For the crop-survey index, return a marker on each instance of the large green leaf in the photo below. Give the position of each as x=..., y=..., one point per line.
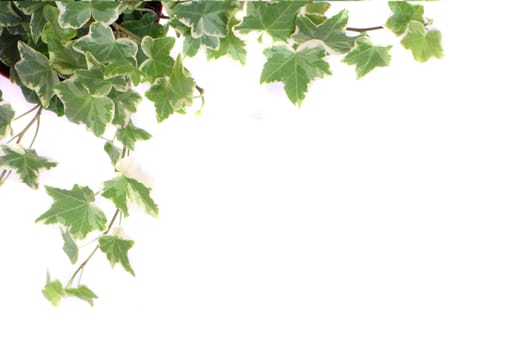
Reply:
x=75, y=210
x=53, y=29
x=36, y=73
x=423, y=43
x=230, y=45
x=172, y=94
x=25, y=162
x=402, y=13
x=366, y=56
x=206, y=17
x=101, y=43
x=123, y=190
x=116, y=250
x=125, y=104
x=275, y=18
x=83, y=293
x=75, y=14
x=7, y=114
x=145, y=26
x=35, y=9
x=63, y=58
x=159, y=62
x=96, y=112
x=295, y=69
x=331, y=32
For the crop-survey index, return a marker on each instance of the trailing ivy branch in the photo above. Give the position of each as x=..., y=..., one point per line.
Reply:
x=82, y=60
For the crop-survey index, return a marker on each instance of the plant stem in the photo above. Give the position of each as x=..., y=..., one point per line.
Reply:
x=362, y=30
x=130, y=34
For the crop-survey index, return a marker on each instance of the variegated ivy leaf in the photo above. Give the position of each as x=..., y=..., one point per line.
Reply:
x=230, y=45
x=159, y=62
x=83, y=293
x=125, y=104
x=26, y=163
x=52, y=29
x=116, y=250
x=123, y=190
x=36, y=73
x=423, y=43
x=75, y=14
x=101, y=43
x=95, y=81
x=130, y=134
x=35, y=9
x=63, y=58
x=402, y=13
x=367, y=56
x=6, y=116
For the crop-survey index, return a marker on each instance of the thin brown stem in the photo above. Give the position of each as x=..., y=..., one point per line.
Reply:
x=128, y=33
x=363, y=30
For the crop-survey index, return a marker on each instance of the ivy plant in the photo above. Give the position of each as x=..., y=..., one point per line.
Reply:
x=84, y=59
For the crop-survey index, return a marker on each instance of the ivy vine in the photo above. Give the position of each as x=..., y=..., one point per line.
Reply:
x=83, y=60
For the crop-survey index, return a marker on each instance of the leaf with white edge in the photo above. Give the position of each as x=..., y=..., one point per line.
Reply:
x=125, y=104
x=316, y=11
x=113, y=152
x=25, y=162
x=81, y=107
x=70, y=247
x=402, y=13
x=63, y=58
x=130, y=134
x=275, y=18
x=145, y=26
x=296, y=69
x=75, y=14
x=159, y=62
x=35, y=10
x=36, y=73
x=116, y=250
x=83, y=293
x=230, y=45
x=172, y=94
x=121, y=190
x=95, y=81
x=423, y=43
x=8, y=15
x=206, y=17
x=331, y=32
x=101, y=43
x=125, y=69
x=7, y=114
x=75, y=210
x=367, y=56
x=53, y=291
x=53, y=29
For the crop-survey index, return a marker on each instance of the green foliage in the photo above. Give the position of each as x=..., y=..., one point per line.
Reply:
x=86, y=60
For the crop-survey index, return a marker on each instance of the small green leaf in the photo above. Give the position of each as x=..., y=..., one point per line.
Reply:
x=52, y=28
x=159, y=63
x=230, y=45
x=70, y=247
x=75, y=14
x=130, y=134
x=6, y=116
x=206, y=17
x=81, y=107
x=402, y=13
x=296, y=69
x=116, y=250
x=35, y=10
x=367, y=56
x=53, y=291
x=423, y=44
x=330, y=32
x=25, y=162
x=125, y=104
x=101, y=43
x=121, y=190
x=113, y=152
x=275, y=18
x=63, y=58
x=146, y=26
x=75, y=210
x=172, y=94
x=36, y=73
x=83, y=293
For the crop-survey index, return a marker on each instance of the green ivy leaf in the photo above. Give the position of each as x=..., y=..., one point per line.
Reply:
x=75, y=14
x=7, y=114
x=316, y=11
x=81, y=107
x=172, y=94
x=159, y=63
x=75, y=210
x=70, y=247
x=121, y=190
x=230, y=45
x=423, y=44
x=101, y=43
x=63, y=58
x=113, y=152
x=35, y=9
x=274, y=18
x=25, y=162
x=402, y=13
x=116, y=250
x=295, y=69
x=53, y=291
x=8, y=15
x=125, y=104
x=146, y=26
x=53, y=29
x=96, y=82
x=367, y=56
x=130, y=134
x=83, y=293
x=36, y=73
x=331, y=32
x=208, y=18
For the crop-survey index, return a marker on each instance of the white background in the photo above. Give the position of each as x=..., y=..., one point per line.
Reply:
x=386, y=213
